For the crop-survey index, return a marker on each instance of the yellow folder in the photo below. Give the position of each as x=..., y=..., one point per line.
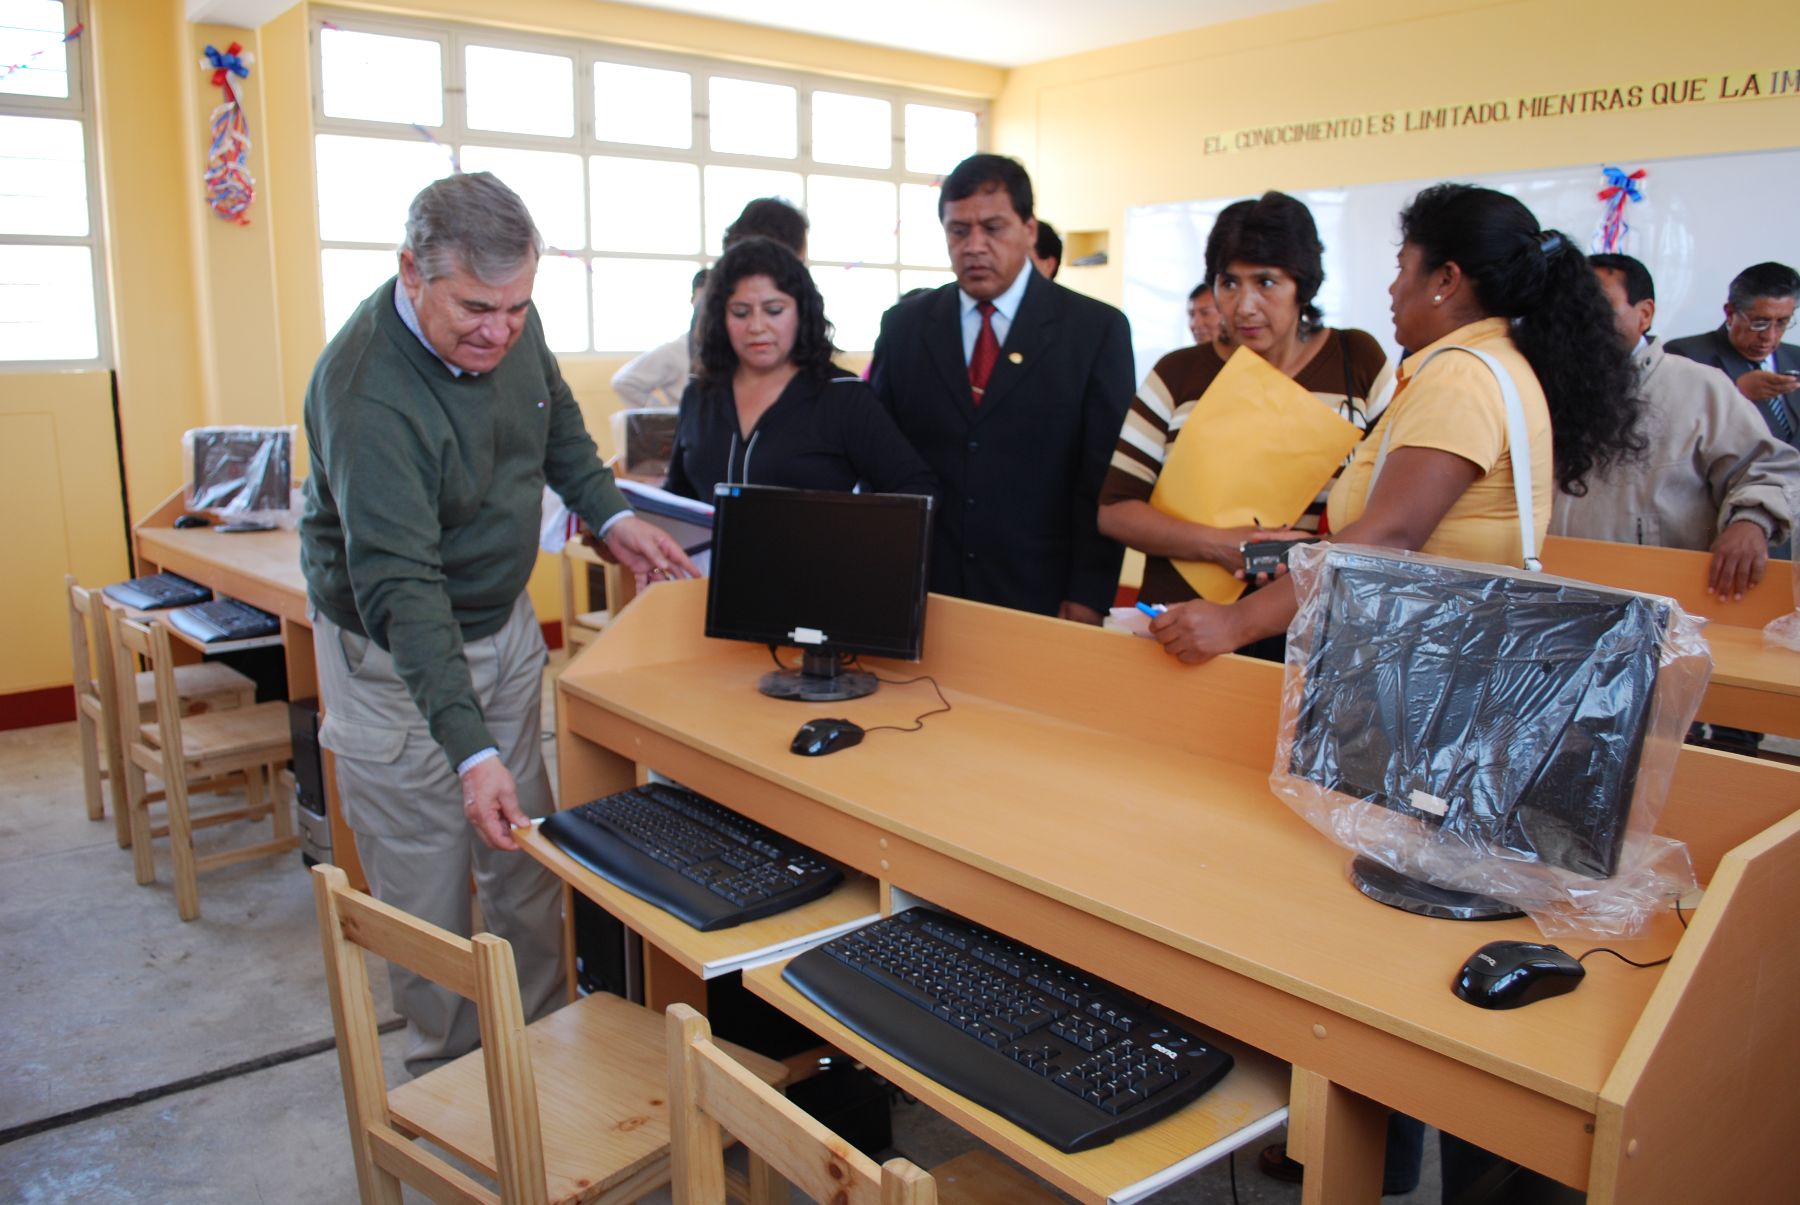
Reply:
x=1256, y=447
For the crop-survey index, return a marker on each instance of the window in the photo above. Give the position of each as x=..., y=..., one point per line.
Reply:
x=50, y=268
x=632, y=163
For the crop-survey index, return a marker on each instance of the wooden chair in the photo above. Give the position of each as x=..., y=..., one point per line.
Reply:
x=708, y=1090
x=596, y=1066
x=94, y=656
x=194, y=751
x=580, y=628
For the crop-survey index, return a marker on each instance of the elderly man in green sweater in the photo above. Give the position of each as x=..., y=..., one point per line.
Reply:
x=434, y=418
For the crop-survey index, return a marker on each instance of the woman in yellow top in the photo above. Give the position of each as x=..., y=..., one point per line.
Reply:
x=1475, y=270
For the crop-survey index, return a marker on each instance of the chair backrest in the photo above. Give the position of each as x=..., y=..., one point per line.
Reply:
x=150, y=640
x=480, y=969
x=82, y=645
x=709, y=1089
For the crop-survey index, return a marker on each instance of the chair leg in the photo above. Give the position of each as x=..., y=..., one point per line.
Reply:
x=284, y=808
x=90, y=762
x=118, y=786
x=766, y=1185
x=137, y=797
x=181, y=848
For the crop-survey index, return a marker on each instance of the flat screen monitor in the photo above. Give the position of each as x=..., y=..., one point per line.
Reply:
x=241, y=469
x=833, y=574
x=1505, y=711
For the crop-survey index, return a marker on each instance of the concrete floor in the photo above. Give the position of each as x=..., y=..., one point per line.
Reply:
x=146, y=1060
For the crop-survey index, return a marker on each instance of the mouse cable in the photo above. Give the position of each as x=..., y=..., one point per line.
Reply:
x=918, y=720
x=1679, y=915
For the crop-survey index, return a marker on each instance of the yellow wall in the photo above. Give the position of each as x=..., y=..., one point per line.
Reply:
x=1104, y=131
x=59, y=491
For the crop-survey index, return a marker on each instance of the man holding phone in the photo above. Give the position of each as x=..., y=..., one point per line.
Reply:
x=1759, y=310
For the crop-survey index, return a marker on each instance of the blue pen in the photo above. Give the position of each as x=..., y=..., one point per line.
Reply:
x=1150, y=610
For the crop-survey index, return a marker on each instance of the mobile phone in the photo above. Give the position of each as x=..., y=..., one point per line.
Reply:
x=1263, y=556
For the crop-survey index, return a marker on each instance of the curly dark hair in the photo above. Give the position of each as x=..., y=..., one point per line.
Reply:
x=1561, y=321
x=760, y=256
x=1277, y=231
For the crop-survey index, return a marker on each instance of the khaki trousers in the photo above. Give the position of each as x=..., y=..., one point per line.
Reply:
x=403, y=800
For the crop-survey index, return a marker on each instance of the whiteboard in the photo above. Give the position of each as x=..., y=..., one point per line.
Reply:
x=1701, y=222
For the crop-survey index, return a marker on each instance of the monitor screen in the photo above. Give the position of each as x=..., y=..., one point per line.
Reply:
x=241, y=469
x=820, y=570
x=1505, y=711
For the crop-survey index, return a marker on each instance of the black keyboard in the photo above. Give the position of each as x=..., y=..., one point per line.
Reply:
x=157, y=591
x=690, y=856
x=1068, y=1057
x=225, y=619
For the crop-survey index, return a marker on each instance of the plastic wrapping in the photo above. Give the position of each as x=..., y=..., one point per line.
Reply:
x=1784, y=630
x=646, y=443
x=244, y=472
x=1491, y=731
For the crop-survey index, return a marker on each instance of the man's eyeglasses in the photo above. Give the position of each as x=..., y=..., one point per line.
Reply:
x=1762, y=326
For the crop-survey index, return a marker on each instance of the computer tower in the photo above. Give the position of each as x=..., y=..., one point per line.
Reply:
x=310, y=814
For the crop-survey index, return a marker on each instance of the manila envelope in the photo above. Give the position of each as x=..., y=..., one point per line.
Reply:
x=1255, y=447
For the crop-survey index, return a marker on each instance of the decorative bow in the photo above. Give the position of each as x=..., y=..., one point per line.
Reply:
x=234, y=62
x=1621, y=189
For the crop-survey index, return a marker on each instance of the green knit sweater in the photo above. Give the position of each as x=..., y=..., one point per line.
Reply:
x=423, y=508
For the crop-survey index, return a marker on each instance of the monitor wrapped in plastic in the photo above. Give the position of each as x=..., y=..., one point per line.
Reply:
x=1487, y=740
x=240, y=472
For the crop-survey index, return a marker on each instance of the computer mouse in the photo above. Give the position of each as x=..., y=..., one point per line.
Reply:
x=193, y=521
x=819, y=737
x=1511, y=974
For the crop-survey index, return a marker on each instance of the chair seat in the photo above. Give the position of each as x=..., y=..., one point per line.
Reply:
x=594, y=619
x=234, y=732
x=201, y=681
x=602, y=1084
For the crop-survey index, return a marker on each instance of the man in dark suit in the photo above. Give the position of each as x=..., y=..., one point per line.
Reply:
x=1759, y=309
x=1013, y=389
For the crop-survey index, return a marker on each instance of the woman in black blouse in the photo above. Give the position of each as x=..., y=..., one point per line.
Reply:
x=767, y=406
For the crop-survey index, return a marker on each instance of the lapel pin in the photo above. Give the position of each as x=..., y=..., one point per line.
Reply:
x=1016, y=358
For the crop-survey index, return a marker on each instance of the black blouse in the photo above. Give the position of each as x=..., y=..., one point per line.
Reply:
x=821, y=434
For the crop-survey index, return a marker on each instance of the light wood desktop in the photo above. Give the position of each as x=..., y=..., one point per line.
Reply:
x=1092, y=797
x=261, y=568
x=1755, y=684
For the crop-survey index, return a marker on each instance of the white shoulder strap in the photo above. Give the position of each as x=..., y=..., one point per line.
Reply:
x=1518, y=441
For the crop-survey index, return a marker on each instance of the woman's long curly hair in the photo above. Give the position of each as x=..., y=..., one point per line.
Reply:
x=1560, y=319
x=763, y=257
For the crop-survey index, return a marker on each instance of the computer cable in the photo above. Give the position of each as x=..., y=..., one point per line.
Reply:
x=851, y=661
x=1679, y=915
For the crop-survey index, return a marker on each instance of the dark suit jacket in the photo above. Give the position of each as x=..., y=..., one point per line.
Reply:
x=1715, y=348
x=1018, y=476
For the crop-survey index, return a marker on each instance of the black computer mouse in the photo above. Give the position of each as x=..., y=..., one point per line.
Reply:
x=819, y=737
x=1511, y=974
x=193, y=521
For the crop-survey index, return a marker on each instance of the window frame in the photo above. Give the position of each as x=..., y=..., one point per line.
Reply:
x=78, y=105
x=455, y=133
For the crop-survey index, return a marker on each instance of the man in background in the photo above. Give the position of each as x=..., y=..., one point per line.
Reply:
x=1714, y=478
x=1203, y=315
x=1759, y=310
x=434, y=418
x=1012, y=388
x=1047, y=254
x=771, y=218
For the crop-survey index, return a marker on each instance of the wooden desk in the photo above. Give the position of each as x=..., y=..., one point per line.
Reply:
x=1755, y=685
x=1091, y=796
x=263, y=569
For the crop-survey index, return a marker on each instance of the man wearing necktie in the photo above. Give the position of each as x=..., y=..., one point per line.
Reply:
x=1012, y=388
x=1759, y=310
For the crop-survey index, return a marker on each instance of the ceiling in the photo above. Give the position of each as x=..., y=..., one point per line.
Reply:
x=1000, y=33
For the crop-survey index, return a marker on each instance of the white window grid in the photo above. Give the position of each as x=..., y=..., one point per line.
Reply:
x=77, y=105
x=454, y=133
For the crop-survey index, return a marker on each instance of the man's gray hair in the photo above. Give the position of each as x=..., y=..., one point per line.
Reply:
x=1763, y=280
x=472, y=221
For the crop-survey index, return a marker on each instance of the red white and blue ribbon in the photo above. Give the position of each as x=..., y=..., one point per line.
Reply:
x=229, y=187
x=1621, y=189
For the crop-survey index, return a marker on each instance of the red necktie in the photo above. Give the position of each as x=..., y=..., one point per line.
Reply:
x=986, y=353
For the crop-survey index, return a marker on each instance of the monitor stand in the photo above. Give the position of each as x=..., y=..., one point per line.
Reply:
x=818, y=680
x=1388, y=886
